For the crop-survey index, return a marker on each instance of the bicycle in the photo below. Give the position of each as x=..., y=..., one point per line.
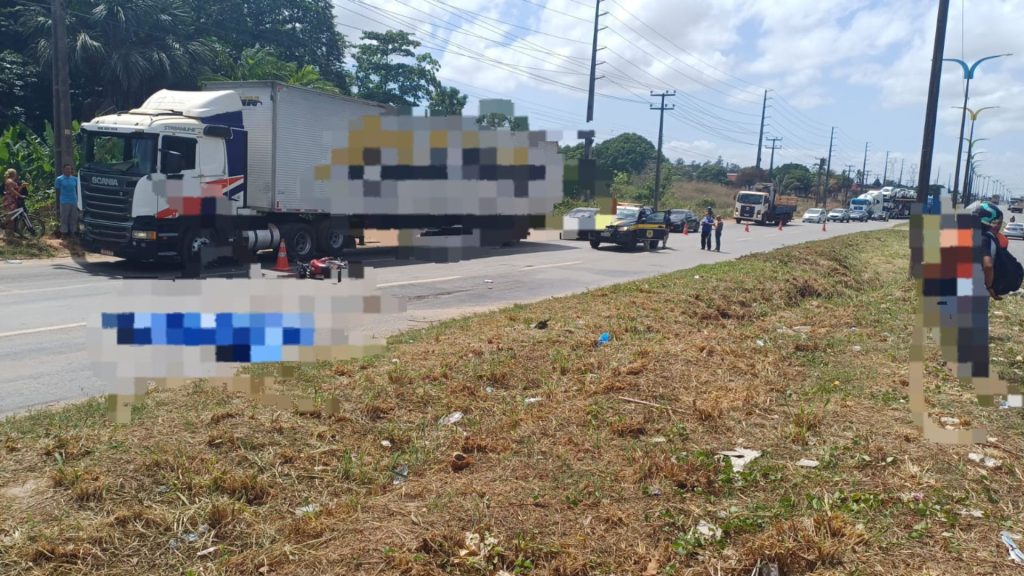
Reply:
x=23, y=224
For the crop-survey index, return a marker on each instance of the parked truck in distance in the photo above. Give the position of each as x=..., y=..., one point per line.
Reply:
x=1016, y=205
x=763, y=206
x=248, y=164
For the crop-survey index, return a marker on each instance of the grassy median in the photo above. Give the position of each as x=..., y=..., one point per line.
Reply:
x=576, y=459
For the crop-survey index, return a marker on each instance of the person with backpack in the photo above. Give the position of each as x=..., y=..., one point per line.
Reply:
x=1003, y=273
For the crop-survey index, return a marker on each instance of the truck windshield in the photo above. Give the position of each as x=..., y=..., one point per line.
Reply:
x=750, y=198
x=120, y=153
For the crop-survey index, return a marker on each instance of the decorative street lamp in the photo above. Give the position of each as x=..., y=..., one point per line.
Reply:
x=968, y=76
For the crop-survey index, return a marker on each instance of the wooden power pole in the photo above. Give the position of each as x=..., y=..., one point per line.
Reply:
x=62, y=151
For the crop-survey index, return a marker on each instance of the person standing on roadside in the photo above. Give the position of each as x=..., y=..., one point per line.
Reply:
x=718, y=233
x=706, y=225
x=67, y=186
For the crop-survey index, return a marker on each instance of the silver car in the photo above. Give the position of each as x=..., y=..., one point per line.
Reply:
x=1014, y=230
x=815, y=215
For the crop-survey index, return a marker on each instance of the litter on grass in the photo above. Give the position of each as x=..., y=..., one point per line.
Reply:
x=401, y=474
x=740, y=457
x=450, y=419
x=1015, y=554
x=532, y=401
x=707, y=532
x=807, y=463
x=986, y=461
x=307, y=509
x=604, y=339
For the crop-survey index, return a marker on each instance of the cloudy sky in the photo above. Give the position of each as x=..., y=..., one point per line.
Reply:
x=859, y=65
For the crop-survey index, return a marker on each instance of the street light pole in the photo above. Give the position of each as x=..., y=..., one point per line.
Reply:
x=970, y=141
x=968, y=75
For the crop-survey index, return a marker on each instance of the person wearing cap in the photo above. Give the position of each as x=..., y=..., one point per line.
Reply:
x=991, y=218
x=706, y=225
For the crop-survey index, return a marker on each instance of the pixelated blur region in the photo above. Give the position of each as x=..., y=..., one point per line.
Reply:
x=157, y=333
x=953, y=314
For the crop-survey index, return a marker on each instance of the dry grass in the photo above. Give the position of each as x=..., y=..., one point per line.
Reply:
x=758, y=354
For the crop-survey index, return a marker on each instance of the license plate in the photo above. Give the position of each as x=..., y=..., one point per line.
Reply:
x=107, y=252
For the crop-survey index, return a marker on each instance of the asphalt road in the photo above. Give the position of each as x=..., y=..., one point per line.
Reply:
x=46, y=303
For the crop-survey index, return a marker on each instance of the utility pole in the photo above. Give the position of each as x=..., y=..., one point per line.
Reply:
x=900, y=183
x=760, y=136
x=821, y=167
x=661, y=128
x=828, y=166
x=593, y=77
x=771, y=163
x=885, y=170
x=62, y=152
x=849, y=183
x=864, y=168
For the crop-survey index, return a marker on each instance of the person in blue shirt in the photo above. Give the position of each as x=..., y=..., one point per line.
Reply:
x=67, y=186
x=706, y=225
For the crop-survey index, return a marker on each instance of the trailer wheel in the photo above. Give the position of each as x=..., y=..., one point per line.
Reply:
x=300, y=241
x=331, y=238
x=192, y=242
x=595, y=244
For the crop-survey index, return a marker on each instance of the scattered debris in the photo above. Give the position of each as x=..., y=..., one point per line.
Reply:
x=807, y=463
x=401, y=474
x=489, y=390
x=163, y=489
x=708, y=532
x=1015, y=554
x=986, y=461
x=740, y=457
x=653, y=491
x=207, y=552
x=760, y=343
x=488, y=281
x=532, y=400
x=802, y=329
x=460, y=462
x=949, y=423
x=696, y=277
x=307, y=509
x=604, y=339
x=542, y=325
x=857, y=348
x=659, y=439
x=972, y=512
x=450, y=419
x=395, y=361
x=385, y=443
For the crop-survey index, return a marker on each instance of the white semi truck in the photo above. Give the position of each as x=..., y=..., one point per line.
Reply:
x=871, y=202
x=248, y=164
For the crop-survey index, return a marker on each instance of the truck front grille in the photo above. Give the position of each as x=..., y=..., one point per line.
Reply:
x=107, y=211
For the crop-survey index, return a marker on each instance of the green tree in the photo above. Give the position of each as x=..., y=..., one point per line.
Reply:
x=792, y=178
x=301, y=31
x=627, y=152
x=496, y=120
x=127, y=48
x=388, y=70
x=714, y=172
x=447, y=101
x=749, y=176
x=574, y=152
x=261, y=63
x=23, y=98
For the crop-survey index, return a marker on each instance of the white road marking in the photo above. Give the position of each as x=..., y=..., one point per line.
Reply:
x=46, y=329
x=417, y=281
x=50, y=289
x=551, y=265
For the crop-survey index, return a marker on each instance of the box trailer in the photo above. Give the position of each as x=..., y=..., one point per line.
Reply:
x=250, y=164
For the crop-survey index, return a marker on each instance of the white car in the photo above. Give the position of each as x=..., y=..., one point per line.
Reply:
x=578, y=222
x=816, y=215
x=1014, y=230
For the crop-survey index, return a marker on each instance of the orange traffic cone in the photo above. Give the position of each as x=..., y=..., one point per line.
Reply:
x=282, y=259
x=780, y=225
x=823, y=229
x=747, y=227
x=686, y=229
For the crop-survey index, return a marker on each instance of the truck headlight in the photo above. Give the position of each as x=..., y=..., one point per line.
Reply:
x=144, y=234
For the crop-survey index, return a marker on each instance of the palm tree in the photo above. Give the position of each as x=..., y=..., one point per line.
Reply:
x=262, y=63
x=129, y=48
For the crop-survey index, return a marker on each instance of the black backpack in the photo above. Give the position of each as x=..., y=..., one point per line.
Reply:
x=1007, y=273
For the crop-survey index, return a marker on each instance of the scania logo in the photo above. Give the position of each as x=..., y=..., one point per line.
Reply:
x=104, y=181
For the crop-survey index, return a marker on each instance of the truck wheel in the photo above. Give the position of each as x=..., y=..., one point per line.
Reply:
x=331, y=238
x=738, y=221
x=595, y=244
x=300, y=241
x=192, y=242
